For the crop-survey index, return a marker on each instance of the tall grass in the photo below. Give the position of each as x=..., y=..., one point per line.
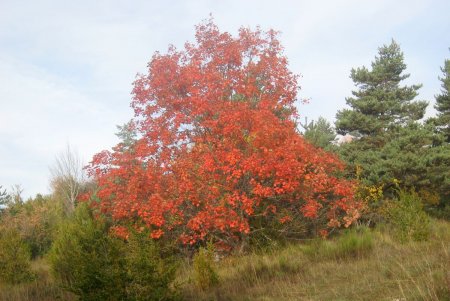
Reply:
x=357, y=265
x=354, y=243
x=42, y=288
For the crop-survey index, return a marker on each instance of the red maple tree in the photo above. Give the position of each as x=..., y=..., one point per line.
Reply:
x=217, y=147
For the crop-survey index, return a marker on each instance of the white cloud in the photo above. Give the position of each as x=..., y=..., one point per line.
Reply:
x=39, y=115
x=66, y=67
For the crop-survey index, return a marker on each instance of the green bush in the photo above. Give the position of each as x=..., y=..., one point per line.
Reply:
x=14, y=258
x=149, y=276
x=97, y=266
x=441, y=211
x=86, y=260
x=407, y=217
x=205, y=275
x=36, y=221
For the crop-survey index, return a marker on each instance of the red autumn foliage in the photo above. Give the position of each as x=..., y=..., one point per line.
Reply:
x=217, y=146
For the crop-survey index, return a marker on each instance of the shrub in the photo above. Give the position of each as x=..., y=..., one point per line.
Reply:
x=149, y=275
x=407, y=218
x=36, y=222
x=441, y=211
x=39, y=222
x=14, y=258
x=205, y=275
x=86, y=260
x=97, y=266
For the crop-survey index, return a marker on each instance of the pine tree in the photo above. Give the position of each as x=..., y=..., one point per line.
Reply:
x=438, y=159
x=4, y=198
x=443, y=103
x=319, y=133
x=393, y=144
x=380, y=104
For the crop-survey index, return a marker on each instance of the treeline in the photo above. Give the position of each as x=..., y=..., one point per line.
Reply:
x=214, y=164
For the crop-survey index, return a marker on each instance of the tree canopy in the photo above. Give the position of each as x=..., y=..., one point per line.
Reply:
x=216, y=147
x=395, y=148
x=443, y=102
x=319, y=133
x=380, y=103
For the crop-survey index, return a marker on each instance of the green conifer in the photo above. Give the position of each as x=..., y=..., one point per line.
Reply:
x=380, y=104
x=443, y=103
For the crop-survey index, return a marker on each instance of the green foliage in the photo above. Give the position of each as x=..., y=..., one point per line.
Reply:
x=35, y=220
x=149, y=276
x=205, y=275
x=438, y=175
x=13, y=200
x=384, y=113
x=86, y=260
x=394, y=146
x=127, y=134
x=441, y=211
x=353, y=243
x=381, y=103
x=406, y=156
x=39, y=224
x=443, y=103
x=14, y=258
x=4, y=198
x=97, y=266
x=319, y=133
x=407, y=160
x=408, y=220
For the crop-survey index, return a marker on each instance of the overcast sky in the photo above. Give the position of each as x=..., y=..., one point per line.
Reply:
x=66, y=67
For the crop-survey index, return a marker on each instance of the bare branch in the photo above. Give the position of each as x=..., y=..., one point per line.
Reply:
x=67, y=176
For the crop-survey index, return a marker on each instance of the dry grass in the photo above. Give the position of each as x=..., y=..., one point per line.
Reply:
x=43, y=288
x=385, y=270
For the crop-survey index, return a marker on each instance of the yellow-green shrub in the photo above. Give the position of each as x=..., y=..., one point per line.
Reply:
x=149, y=275
x=407, y=217
x=14, y=258
x=205, y=275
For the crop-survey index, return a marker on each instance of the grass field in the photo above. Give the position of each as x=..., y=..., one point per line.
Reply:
x=43, y=288
x=370, y=266
x=364, y=265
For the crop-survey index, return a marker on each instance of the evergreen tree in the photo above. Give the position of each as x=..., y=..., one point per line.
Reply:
x=404, y=158
x=127, y=134
x=4, y=198
x=393, y=144
x=319, y=133
x=95, y=265
x=380, y=104
x=443, y=103
x=438, y=159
